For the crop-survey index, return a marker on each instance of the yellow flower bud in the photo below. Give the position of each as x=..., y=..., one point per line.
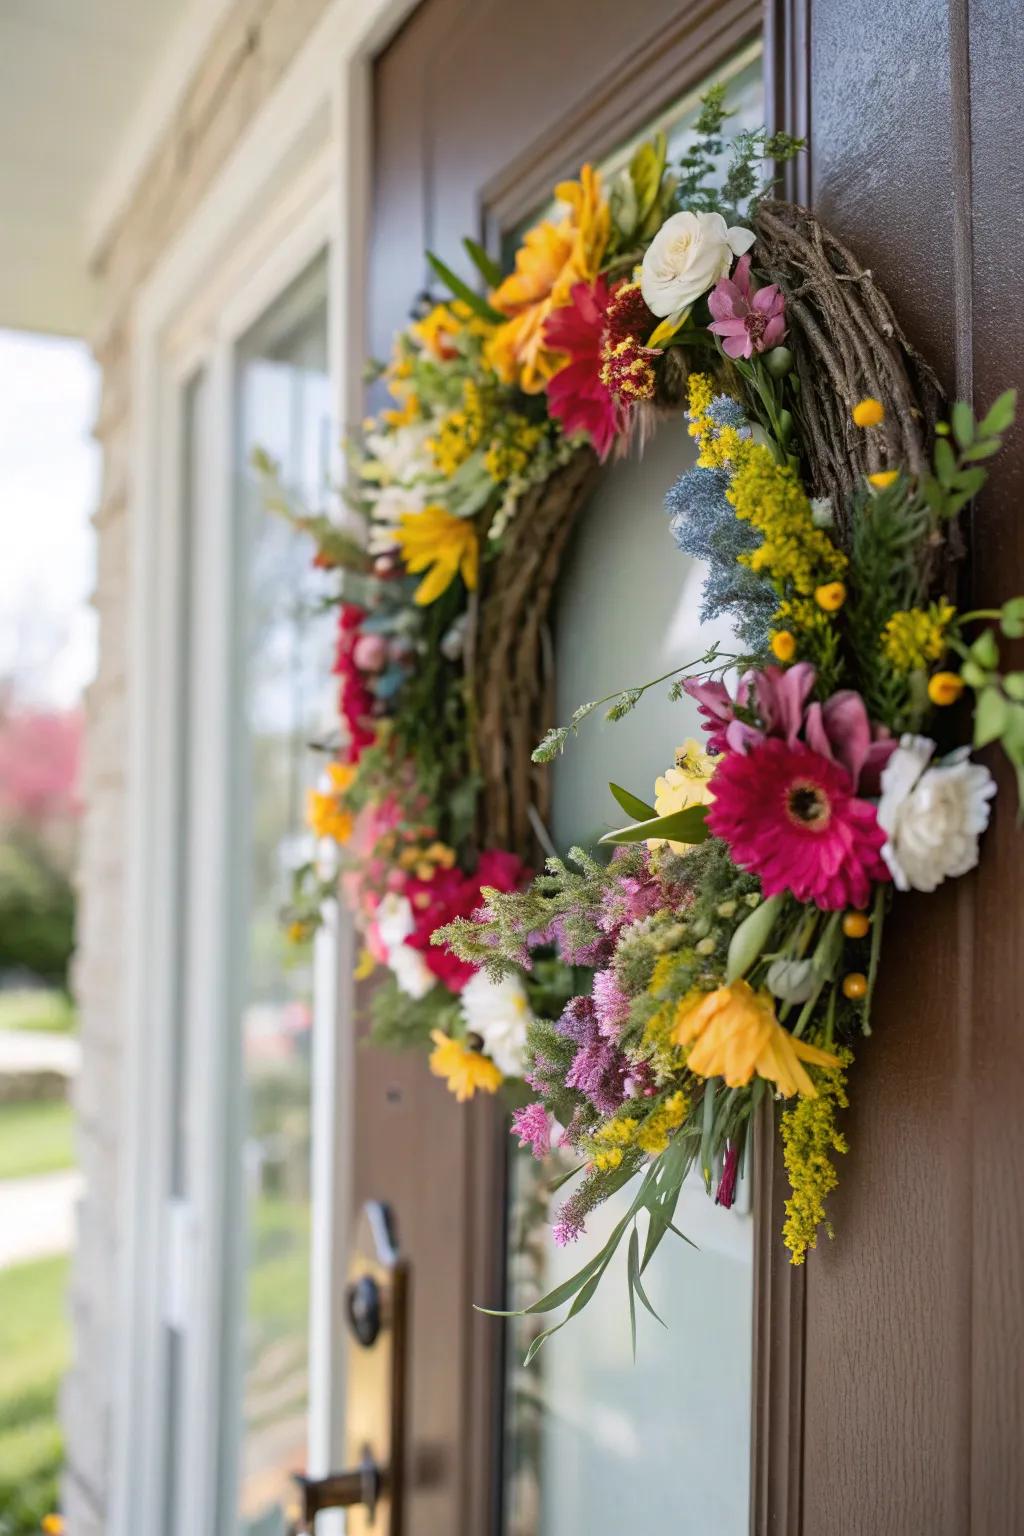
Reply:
x=945, y=688
x=855, y=986
x=856, y=925
x=883, y=478
x=783, y=644
x=831, y=596
x=868, y=413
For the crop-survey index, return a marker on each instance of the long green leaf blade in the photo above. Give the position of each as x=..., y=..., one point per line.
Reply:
x=632, y=804
x=463, y=291
x=689, y=826
x=485, y=264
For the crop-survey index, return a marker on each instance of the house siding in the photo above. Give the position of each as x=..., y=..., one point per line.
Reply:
x=254, y=45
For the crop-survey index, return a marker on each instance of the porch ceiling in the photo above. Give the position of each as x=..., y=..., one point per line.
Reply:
x=83, y=86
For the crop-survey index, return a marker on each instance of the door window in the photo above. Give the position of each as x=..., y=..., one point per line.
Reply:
x=594, y=1439
x=283, y=406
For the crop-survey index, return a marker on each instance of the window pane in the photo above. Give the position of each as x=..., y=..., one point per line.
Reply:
x=283, y=407
x=594, y=1441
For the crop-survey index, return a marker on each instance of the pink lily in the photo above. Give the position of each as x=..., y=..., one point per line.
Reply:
x=747, y=321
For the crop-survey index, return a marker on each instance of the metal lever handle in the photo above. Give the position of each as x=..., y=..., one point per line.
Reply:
x=360, y=1486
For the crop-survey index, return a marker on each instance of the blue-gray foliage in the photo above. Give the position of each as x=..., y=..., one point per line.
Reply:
x=705, y=526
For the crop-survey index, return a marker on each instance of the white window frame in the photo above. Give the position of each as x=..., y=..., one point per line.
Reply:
x=296, y=185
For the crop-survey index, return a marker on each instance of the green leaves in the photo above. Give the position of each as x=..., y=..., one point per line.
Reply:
x=1011, y=618
x=688, y=826
x=463, y=291
x=485, y=265
x=959, y=474
x=990, y=714
x=632, y=804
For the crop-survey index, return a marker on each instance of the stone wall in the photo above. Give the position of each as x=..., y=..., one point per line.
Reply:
x=254, y=45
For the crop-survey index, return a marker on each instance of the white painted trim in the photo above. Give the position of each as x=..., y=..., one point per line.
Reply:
x=152, y=119
x=322, y=99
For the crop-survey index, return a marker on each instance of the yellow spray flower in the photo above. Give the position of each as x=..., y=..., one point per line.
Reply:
x=734, y=1033
x=809, y=1134
x=552, y=257
x=913, y=638
x=463, y=1070
x=793, y=552
x=52, y=1525
x=688, y=783
x=447, y=544
x=883, y=478
x=783, y=645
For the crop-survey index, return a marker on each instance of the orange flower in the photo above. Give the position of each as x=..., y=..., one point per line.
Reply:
x=552, y=257
x=737, y=1034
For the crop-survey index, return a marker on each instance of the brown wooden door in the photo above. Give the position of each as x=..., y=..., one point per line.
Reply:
x=888, y=1382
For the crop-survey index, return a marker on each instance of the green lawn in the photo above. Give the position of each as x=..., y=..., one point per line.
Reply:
x=34, y=1352
x=27, y=1009
x=35, y=1137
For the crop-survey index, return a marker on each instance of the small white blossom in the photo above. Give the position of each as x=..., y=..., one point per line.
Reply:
x=499, y=1012
x=933, y=817
x=394, y=923
x=410, y=970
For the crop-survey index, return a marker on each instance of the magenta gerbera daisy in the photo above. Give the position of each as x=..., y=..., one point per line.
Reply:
x=791, y=817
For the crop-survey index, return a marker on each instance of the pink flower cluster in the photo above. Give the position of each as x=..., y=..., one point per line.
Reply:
x=449, y=894
x=788, y=793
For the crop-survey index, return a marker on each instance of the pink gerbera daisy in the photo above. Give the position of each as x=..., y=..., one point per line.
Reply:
x=791, y=817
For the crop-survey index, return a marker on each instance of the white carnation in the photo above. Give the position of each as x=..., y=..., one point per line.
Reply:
x=410, y=970
x=498, y=1011
x=932, y=817
x=687, y=256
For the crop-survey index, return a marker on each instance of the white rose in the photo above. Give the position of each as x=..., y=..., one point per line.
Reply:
x=687, y=256
x=933, y=817
x=410, y=970
x=498, y=1011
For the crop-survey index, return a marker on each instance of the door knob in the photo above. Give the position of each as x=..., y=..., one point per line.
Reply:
x=375, y=1310
x=359, y=1487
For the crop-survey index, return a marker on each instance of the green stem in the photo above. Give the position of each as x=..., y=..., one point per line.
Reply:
x=979, y=613
x=877, y=924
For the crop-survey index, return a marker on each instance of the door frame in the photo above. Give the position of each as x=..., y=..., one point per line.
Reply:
x=297, y=184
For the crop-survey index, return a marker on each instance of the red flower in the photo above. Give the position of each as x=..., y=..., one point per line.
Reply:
x=449, y=894
x=576, y=394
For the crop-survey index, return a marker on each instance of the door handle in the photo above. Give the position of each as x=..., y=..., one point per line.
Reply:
x=376, y=1301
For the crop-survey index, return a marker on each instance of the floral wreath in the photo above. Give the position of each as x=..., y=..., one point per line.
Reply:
x=639, y=1010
